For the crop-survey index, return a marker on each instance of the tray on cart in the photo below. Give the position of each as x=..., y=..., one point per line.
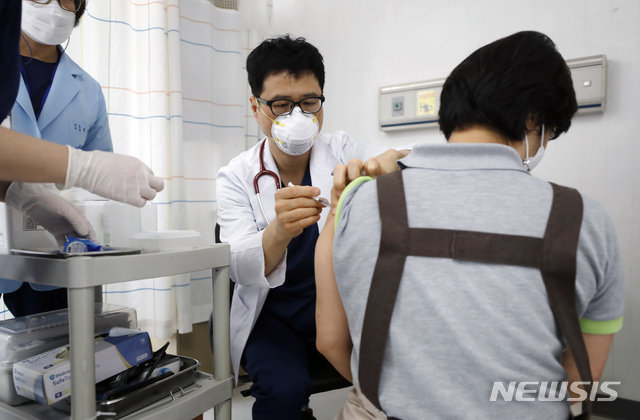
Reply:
x=172, y=386
x=52, y=252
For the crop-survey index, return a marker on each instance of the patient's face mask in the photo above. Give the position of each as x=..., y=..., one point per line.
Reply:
x=294, y=133
x=531, y=163
x=47, y=23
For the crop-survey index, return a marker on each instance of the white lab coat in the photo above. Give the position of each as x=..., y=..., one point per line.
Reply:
x=242, y=223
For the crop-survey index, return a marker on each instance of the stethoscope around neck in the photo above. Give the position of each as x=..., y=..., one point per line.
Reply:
x=264, y=171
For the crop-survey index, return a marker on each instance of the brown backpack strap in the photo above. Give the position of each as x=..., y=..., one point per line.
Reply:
x=474, y=246
x=554, y=255
x=385, y=282
x=559, y=275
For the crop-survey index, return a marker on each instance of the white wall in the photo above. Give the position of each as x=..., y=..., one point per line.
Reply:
x=375, y=43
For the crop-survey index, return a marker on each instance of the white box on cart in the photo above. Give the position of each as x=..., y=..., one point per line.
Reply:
x=46, y=378
x=28, y=336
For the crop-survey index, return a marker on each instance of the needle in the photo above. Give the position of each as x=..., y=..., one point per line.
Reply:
x=320, y=200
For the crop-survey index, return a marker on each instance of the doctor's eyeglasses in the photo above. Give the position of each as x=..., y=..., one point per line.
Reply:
x=283, y=107
x=68, y=5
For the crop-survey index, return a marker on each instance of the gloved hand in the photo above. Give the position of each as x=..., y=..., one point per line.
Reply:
x=53, y=212
x=113, y=176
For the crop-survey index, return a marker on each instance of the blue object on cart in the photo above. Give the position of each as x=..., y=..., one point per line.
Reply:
x=74, y=244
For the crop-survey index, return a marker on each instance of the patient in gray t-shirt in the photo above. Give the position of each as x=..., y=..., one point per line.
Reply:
x=468, y=339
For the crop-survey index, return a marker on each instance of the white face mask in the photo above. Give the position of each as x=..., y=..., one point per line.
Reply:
x=294, y=133
x=531, y=163
x=47, y=24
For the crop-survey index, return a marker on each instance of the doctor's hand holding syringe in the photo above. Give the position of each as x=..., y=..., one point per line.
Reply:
x=299, y=206
x=25, y=159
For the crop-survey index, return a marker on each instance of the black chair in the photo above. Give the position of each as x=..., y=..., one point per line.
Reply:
x=322, y=379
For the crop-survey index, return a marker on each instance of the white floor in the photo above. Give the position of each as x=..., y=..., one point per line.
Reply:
x=324, y=405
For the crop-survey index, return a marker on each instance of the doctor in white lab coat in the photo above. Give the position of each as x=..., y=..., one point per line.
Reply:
x=242, y=222
x=59, y=102
x=272, y=234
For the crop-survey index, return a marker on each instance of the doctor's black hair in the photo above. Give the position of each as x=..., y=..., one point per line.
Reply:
x=283, y=54
x=499, y=85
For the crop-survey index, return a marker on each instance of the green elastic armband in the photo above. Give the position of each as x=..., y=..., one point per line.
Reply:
x=600, y=327
x=352, y=185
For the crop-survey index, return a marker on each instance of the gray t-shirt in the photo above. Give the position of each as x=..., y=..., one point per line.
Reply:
x=458, y=327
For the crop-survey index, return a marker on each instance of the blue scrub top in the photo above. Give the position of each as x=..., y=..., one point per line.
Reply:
x=294, y=302
x=38, y=79
x=10, y=15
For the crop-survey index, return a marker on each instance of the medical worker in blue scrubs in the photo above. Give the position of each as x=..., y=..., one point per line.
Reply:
x=57, y=101
x=25, y=159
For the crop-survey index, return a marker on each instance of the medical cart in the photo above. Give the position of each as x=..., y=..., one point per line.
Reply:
x=80, y=275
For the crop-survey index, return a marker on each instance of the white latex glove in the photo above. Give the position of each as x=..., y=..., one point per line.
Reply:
x=53, y=212
x=113, y=176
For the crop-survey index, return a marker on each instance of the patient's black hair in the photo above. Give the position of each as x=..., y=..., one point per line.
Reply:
x=501, y=84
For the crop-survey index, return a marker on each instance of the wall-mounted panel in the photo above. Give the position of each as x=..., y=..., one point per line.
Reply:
x=589, y=76
x=413, y=105
x=416, y=105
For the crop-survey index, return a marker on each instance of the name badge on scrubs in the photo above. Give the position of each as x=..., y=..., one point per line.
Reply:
x=79, y=127
x=77, y=134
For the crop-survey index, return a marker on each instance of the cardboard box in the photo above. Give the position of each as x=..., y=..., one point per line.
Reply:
x=46, y=378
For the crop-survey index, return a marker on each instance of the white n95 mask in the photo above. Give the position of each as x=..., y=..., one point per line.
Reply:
x=47, y=24
x=295, y=133
x=531, y=163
